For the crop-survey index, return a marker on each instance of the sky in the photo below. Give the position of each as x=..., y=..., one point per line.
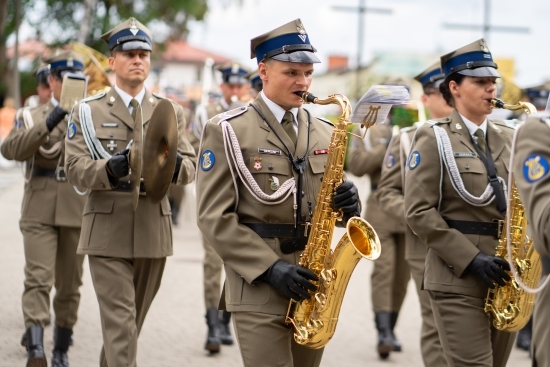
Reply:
x=413, y=26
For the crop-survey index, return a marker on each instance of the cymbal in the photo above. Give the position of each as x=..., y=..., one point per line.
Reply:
x=160, y=149
x=136, y=160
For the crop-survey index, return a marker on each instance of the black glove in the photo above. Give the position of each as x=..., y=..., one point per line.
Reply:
x=489, y=269
x=118, y=166
x=179, y=159
x=290, y=279
x=55, y=117
x=346, y=197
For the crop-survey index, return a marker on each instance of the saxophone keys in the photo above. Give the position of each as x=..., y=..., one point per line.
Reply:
x=320, y=299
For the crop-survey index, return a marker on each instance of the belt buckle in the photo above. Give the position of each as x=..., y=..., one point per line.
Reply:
x=500, y=227
x=60, y=174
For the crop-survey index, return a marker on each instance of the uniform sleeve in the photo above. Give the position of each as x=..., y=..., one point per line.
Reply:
x=390, y=187
x=239, y=247
x=188, y=165
x=22, y=143
x=532, y=142
x=361, y=161
x=81, y=169
x=421, y=205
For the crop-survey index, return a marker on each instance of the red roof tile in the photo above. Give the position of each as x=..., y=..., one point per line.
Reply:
x=181, y=51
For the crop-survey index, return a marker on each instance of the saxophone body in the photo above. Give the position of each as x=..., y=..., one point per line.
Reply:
x=510, y=306
x=314, y=320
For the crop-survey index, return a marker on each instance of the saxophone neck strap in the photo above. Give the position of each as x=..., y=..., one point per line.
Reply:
x=492, y=175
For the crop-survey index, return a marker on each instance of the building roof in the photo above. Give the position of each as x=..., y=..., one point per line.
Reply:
x=30, y=49
x=181, y=51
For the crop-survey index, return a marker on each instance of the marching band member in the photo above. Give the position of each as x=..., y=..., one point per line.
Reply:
x=126, y=249
x=242, y=209
x=391, y=200
x=50, y=219
x=454, y=191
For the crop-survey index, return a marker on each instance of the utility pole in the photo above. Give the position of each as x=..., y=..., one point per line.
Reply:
x=361, y=10
x=486, y=27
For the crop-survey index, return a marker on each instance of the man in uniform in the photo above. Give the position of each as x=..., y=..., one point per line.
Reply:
x=50, y=219
x=234, y=90
x=43, y=92
x=390, y=200
x=390, y=273
x=255, y=83
x=245, y=203
x=531, y=167
x=127, y=249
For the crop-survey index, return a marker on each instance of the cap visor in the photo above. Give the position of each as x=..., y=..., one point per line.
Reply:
x=236, y=79
x=133, y=45
x=485, y=71
x=306, y=57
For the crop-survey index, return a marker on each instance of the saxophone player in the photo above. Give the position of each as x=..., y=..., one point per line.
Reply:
x=391, y=200
x=248, y=207
x=453, y=194
x=530, y=168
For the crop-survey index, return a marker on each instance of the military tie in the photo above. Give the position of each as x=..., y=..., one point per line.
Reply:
x=135, y=104
x=288, y=126
x=481, y=141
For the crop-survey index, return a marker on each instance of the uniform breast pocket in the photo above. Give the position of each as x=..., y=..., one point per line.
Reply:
x=269, y=172
x=96, y=223
x=473, y=174
x=317, y=163
x=113, y=139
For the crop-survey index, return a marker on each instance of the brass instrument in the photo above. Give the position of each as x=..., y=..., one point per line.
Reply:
x=511, y=306
x=314, y=320
x=95, y=66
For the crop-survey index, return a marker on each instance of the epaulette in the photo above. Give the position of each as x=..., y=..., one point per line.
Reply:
x=511, y=124
x=94, y=97
x=443, y=120
x=325, y=120
x=228, y=115
x=407, y=129
x=159, y=96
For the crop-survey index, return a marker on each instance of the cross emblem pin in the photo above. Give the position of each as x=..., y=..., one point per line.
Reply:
x=112, y=145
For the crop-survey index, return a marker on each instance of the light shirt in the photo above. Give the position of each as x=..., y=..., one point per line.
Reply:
x=472, y=127
x=279, y=112
x=54, y=101
x=126, y=98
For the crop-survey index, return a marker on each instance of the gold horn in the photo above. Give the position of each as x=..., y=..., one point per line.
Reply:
x=96, y=66
x=510, y=307
x=160, y=149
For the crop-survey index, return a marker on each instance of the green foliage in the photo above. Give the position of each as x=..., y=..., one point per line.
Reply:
x=28, y=84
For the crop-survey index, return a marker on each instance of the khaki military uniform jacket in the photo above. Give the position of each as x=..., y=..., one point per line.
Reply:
x=224, y=203
x=110, y=227
x=428, y=205
x=46, y=200
x=389, y=194
x=368, y=161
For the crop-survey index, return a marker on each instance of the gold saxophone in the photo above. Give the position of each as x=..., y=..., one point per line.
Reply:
x=314, y=320
x=510, y=306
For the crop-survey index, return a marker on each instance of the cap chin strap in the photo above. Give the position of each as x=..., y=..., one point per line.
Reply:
x=473, y=65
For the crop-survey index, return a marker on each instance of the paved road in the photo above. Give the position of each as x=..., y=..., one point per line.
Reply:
x=174, y=332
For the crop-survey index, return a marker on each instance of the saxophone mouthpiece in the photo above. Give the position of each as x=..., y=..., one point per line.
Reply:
x=306, y=96
x=498, y=103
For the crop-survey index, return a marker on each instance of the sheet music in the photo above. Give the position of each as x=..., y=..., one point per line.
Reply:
x=376, y=103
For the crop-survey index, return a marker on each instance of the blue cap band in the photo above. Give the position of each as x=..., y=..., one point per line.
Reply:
x=127, y=35
x=469, y=60
x=289, y=39
x=432, y=77
x=64, y=64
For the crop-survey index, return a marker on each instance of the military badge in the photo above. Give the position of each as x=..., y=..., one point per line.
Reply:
x=112, y=145
x=274, y=183
x=535, y=168
x=258, y=163
x=390, y=160
x=112, y=99
x=71, y=131
x=458, y=127
x=414, y=160
x=207, y=160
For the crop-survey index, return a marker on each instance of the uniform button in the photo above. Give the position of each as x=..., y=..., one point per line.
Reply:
x=270, y=167
x=111, y=135
x=102, y=185
x=450, y=266
x=38, y=133
x=92, y=208
x=467, y=167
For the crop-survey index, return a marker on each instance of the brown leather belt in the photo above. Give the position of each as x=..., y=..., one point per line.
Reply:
x=126, y=186
x=57, y=173
x=278, y=230
x=480, y=228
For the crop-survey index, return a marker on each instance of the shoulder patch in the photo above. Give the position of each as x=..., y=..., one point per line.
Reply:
x=71, y=130
x=535, y=167
x=414, y=160
x=390, y=161
x=159, y=96
x=94, y=97
x=228, y=115
x=325, y=120
x=207, y=160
